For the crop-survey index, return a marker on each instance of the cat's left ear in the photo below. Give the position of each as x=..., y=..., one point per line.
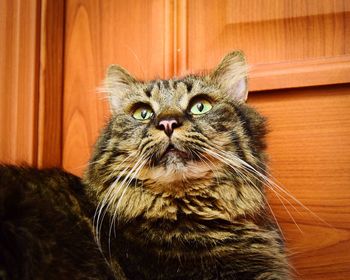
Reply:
x=118, y=82
x=231, y=75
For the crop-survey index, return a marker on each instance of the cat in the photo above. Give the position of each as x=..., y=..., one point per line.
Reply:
x=174, y=190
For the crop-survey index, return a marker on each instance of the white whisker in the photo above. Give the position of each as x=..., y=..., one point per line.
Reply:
x=245, y=178
x=236, y=163
x=101, y=208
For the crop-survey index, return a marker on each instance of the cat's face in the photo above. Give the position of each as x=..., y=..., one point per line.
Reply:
x=168, y=131
x=169, y=124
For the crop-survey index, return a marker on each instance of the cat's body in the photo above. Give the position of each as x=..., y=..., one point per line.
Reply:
x=45, y=227
x=173, y=191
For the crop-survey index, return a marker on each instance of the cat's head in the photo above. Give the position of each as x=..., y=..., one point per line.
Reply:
x=166, y=135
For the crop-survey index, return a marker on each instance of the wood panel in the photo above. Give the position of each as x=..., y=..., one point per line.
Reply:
x=270, y=32
x=19, y=65
x=319, y=71
x=134, y=34
x=51, y=84
x=309, y=152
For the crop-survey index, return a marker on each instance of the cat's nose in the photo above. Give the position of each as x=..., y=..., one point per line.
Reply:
x=168, y=125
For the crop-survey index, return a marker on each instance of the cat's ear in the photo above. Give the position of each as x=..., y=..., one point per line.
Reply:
x=231, y=75
x=118, y=81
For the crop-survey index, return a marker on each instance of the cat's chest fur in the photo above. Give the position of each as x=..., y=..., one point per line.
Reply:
x=184, y=249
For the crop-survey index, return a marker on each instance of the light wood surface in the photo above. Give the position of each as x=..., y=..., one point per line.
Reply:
x=19, y=64
x=269, y=32
x=302, y=73
x=309, y=150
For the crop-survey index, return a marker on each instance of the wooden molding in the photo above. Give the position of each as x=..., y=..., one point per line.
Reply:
x=51, y=84
x=311, y=72
x=169, y=45
x=282, y=9
x=180, y=37
x=19, y=70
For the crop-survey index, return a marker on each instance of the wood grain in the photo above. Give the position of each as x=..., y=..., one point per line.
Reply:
x=98, y=33
x=309, y=152
x=303, y=73
x=19, y=66
x=51, y=84
x=269, y=32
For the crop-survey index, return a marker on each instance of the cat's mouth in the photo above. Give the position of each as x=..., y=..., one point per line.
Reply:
x=174, y=163
x=172, y=151
x=173, y=155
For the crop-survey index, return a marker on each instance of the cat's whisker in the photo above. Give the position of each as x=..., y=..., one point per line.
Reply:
x=115, y=199
x=268, y=182
x=114, y=193
x=115, y=170
x=112, y=224
x=276, y=181
x=106, y=196
x=102, y=209
x=97, y=221
x=278, y=197
x=132, y=177
x=272, y=185
x=208, y=162
x=227, y=161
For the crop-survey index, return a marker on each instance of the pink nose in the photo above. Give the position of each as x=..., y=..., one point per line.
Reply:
x=168, y=126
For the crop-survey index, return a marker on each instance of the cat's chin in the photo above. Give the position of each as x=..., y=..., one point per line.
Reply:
x=176, y=165
x=174, y=159
x=176, y=169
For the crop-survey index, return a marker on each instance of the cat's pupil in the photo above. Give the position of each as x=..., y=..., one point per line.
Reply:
x=200, y=107
x=144, y=114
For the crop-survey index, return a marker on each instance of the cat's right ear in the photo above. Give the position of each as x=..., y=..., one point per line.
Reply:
x=231, y=75
x=118, y=82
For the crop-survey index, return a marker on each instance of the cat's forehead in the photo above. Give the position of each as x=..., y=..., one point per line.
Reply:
x=175, y=92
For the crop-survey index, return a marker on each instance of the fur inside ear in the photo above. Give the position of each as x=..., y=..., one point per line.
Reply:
x=117, y=83
x=231, y=75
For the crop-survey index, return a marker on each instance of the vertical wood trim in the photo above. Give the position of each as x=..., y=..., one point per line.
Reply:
x=51, y=84
x=180, y=40
x=169, y=38
x=19, y=71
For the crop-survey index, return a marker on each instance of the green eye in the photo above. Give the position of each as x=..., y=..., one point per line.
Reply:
x=201, y=106
x=143, y=113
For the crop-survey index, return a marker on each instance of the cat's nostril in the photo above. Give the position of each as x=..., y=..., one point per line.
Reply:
x=168, y=126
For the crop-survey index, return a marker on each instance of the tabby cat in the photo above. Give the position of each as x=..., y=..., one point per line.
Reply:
x=174, y=190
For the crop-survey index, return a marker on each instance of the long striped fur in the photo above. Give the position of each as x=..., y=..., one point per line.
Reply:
x=204, y=216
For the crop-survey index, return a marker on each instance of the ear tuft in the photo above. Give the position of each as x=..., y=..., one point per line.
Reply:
x=231, y=75
x=117, y=82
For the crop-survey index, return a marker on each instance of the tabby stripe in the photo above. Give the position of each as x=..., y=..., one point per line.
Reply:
x=245, y=123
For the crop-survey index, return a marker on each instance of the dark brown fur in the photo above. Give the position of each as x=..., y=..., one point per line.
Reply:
x=45, y=229
x=197, y=213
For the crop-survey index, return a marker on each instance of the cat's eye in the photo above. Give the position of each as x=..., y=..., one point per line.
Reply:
x=201, y=106
x=143, y=113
